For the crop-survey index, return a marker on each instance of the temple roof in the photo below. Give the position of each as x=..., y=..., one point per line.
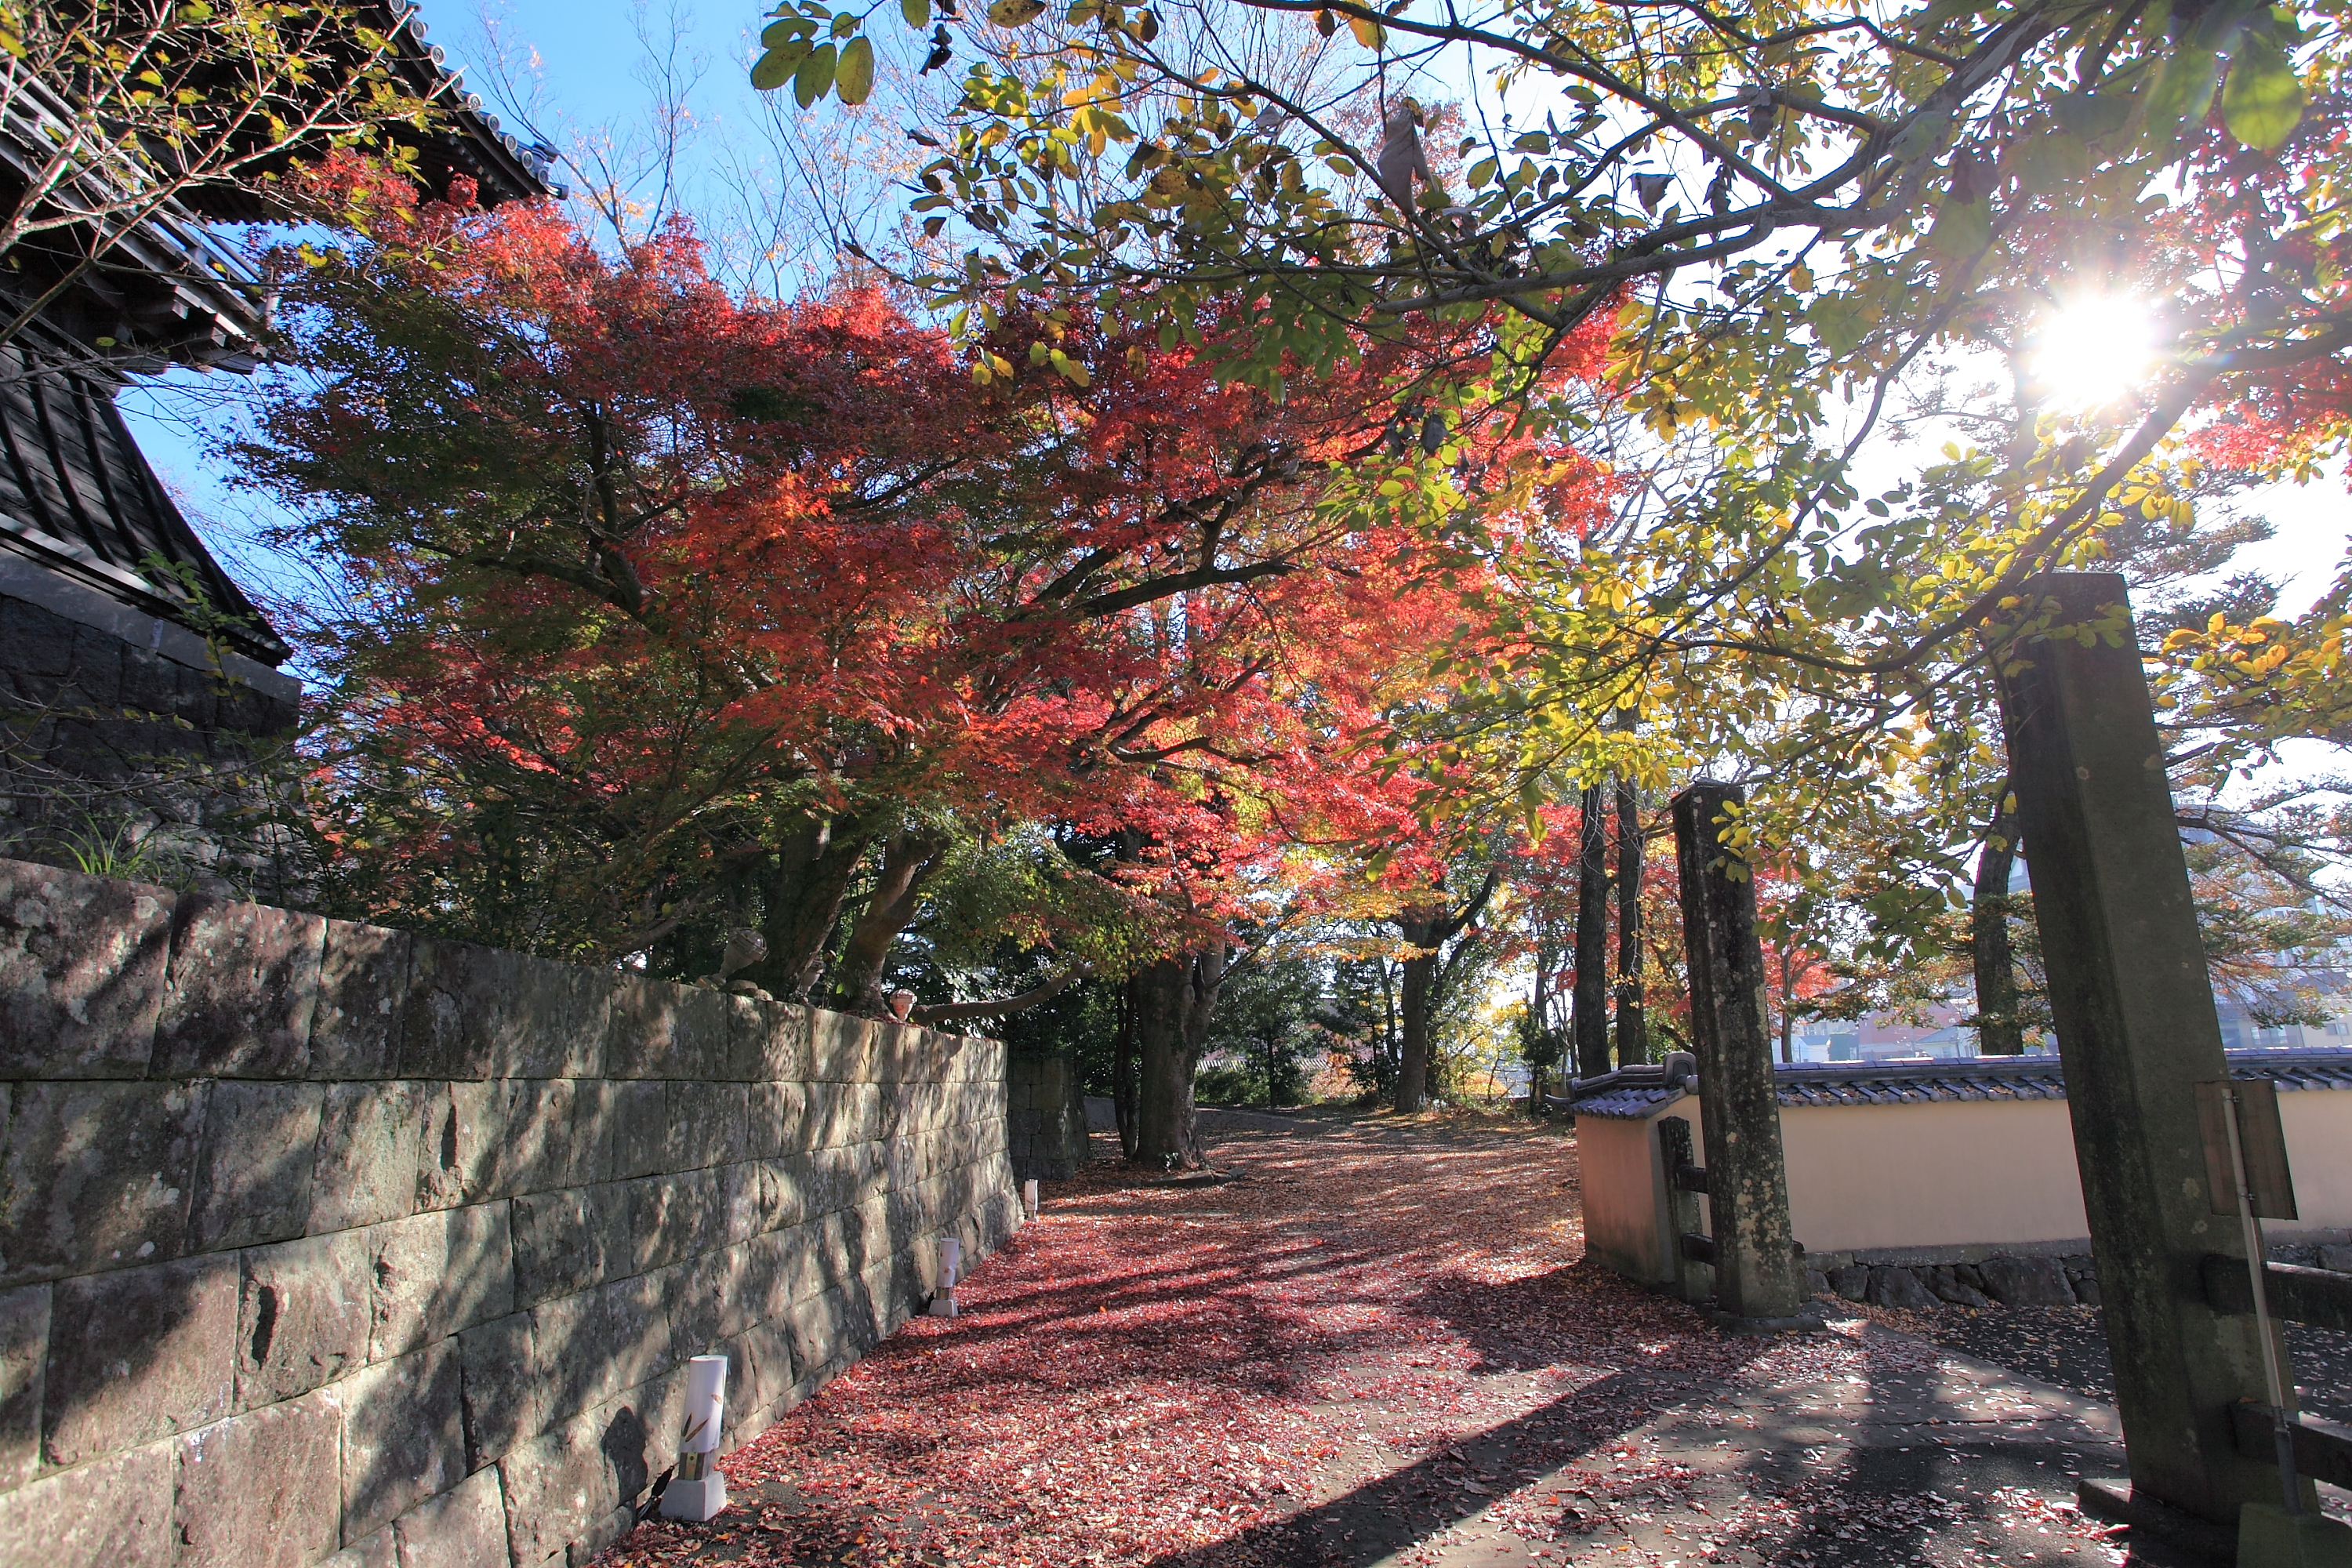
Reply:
x=1639, y=1091
x=78, y=496
x=76, y=493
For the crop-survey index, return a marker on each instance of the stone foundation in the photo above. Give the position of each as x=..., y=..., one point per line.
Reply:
x=1044, y=1117
x=325, y=1243
x=2057, y=1274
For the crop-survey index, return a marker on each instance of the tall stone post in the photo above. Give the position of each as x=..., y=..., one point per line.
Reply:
x=1758, y=1273
x=2133, y=1007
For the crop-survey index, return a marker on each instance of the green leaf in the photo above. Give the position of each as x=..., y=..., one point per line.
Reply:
x=917, y=12
x=2263, y=101
x=2053, y=161
x=1015, y=12
x=853, y=76
x=2091, y=115
x=1838, y=323
x=815, y=78
x=2183, y=91
x=776, y=67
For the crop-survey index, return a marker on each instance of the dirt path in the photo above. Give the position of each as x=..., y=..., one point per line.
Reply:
x=1378, y=1343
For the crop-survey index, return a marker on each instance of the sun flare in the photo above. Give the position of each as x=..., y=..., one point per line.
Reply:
x=2091, y=350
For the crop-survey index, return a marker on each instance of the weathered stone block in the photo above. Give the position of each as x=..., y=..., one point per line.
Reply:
x=826, y=1178
x=115, y=1514
x=403, y=1435
x=81, y=972
x=645, y=1142
x=479, y=1013
x=559, y=1133
x=594, y=1540
x=745, y=1056
x=838, y=1242
x=252, y=1491
x=568, y=1240
x=2026, y=1281
x=841, y=1047
x=505, y=1401
x=739, y=1200
x=773, y=1125
x=363, y=976
x=639, y=1431
x=381, y=1550
x=239, y=991
x=450, y=1169
x=1946, y=1285
x=760, y=1369
x=869, y=1171
x=659, y=1029
x=479, y=1113
x=827, y=1116
x=260, y=1149
x=804, y=1276
x=815, y=1328
x=711, y=1121
x=694, y=1292
x=773, y=1041
x=1893, y=1287
x=555, y=1487
x=572, y=1345
x=24, y=1353
x=763, y=1286
x=780, y=1203
x=303, y=1316
x=376, y=1142
x=138, y=1354
x=465, y=1527
x=639, y=1341
x=437, y=1273
x=673, y=1218
x=96, y=1176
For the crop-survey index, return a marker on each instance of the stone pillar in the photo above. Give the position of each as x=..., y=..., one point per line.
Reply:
x=2133, y=1007
x=1758, y=1273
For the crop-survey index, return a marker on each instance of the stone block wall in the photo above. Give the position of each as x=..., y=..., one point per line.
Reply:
x=1044, y=1117
x=122, y=720
x=323, y=1243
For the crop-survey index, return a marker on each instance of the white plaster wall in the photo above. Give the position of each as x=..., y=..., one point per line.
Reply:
x=1947, y=1174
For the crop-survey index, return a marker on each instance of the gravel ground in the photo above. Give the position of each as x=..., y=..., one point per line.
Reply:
x=2068, y=1347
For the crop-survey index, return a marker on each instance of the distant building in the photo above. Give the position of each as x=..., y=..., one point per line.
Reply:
x=136, y=679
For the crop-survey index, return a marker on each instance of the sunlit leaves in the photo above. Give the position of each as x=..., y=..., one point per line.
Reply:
x=2263, y=100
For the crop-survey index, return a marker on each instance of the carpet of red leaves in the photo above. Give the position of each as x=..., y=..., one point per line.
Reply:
x=1392, y=1323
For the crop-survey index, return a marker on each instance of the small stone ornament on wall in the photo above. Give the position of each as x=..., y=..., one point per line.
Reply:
x=698, y=1491
x=950, y=1264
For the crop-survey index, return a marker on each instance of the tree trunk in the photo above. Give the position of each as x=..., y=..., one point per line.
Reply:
x=801, y=889
x=1122, y=1072
x=1421, y=930
x=1174, y=999
x=1589, y=1013
x=908, y=860
x=1999, y=1031
x=1788, y=1014
x=1633, y=1041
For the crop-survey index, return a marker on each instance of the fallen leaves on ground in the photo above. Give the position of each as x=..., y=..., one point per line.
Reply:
x=1368, y=1341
